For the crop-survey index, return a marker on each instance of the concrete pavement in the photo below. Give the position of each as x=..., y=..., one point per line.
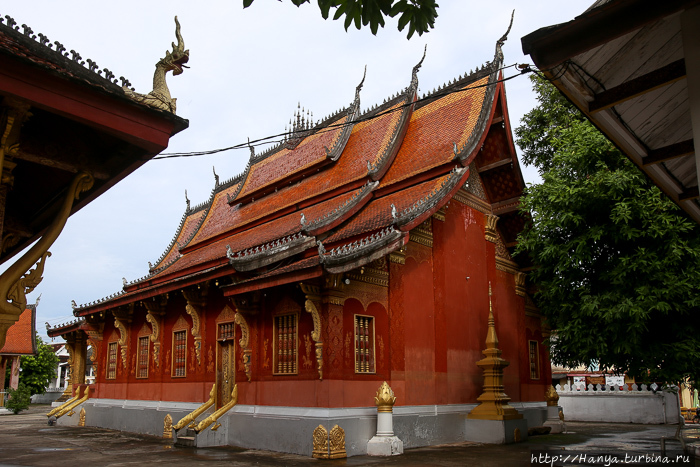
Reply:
x=26, y=439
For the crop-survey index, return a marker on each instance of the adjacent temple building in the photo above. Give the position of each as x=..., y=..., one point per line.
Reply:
x=371, y=247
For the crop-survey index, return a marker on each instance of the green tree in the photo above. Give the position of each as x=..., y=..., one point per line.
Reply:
x=617, y=264
x=418, y=15
x=38, y=370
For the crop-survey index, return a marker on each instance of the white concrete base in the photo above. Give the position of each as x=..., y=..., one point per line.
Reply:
x=384, y=446
x=553, y=420
x=495, y=431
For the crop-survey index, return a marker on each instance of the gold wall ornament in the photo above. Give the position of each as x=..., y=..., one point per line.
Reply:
x=156, y=310
x=216, y=415
x=398, y=256
x=243, y=342
x=551, y=396
x=520, y=284
x=160, y=97
x=490, y=232
x=122, y=342
x=320, y=443
x=316, y=335
x=493, y=401
x=19, y=280
x=190, y=418
x=196, y=301
x=168, y=427
x=423, y=234
x=336, y=439
x=81, y=419
x=192, y=311
x=385, y=399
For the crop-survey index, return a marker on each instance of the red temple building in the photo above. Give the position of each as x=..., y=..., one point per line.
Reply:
x=21, y=340
x=374, y=246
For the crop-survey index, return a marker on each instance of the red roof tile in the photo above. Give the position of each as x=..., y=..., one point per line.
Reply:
x=377, y=214
x=311, y=151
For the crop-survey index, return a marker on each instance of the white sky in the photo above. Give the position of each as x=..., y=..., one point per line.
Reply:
x=248, y=69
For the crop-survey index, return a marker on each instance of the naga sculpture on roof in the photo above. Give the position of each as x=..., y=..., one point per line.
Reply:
x=175, y=62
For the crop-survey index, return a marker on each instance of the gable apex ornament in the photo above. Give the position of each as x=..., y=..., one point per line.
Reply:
x=160, y=97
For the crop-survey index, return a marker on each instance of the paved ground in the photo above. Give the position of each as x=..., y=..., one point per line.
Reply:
x=26, y=439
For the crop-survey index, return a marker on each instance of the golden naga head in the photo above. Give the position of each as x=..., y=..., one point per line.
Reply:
x=176, y=61
x=551, y=396
x=385, y=398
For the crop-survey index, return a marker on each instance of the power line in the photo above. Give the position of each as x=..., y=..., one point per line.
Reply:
x=280, y=137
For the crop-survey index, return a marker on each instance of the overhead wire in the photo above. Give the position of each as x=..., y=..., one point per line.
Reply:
x=280, y=137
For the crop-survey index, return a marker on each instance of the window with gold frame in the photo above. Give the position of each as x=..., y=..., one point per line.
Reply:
x=142, y=358
x=111, y=361
x=534, y=360
x=179, y=369
x=285, y=343
x=364, y=345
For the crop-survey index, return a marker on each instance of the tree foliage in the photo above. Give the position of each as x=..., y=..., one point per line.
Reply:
x=18, y=399
x=38, y=370
x=418, y=15
x=617, y=263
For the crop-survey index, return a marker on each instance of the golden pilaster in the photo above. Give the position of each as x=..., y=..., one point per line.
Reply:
x=490, y=228
x=493, y=401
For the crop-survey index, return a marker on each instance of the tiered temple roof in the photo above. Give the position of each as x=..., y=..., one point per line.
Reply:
x=336, y=196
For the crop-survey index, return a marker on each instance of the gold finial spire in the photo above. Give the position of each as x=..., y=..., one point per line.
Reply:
x=493, y=401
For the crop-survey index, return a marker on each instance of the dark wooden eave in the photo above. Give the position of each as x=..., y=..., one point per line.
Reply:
x=550, y=46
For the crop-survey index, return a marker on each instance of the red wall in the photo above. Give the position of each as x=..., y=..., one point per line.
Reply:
x=431, y=320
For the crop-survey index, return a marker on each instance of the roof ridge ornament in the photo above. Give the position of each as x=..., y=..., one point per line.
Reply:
x=414, y=75
x=504, y=37
x=160, y=97
x=359, y=86
x=187, y=200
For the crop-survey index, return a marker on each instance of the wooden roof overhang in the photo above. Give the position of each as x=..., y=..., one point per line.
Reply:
x=75, y=121
x=633, y=68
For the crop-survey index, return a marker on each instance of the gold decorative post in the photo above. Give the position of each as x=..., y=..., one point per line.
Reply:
x=551, y=396
x=336, y=440
x=493, y=401
x=385, y=443
x=320, y=443
x=168, y=427
x=81, y=420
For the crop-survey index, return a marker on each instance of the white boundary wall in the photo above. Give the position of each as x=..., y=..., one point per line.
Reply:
x=638, y=404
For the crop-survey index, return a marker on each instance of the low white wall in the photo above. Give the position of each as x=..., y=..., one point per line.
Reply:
x=638, y=404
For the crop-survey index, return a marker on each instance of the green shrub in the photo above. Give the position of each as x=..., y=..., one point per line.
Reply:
x=19, y=399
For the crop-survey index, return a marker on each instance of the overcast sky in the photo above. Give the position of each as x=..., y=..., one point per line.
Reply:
x=248, y=70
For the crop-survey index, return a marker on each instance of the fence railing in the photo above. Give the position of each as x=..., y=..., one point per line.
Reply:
x=626, y=388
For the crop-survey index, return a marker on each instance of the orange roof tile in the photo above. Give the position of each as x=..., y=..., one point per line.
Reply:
x=21, y=336
x=434, y=129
